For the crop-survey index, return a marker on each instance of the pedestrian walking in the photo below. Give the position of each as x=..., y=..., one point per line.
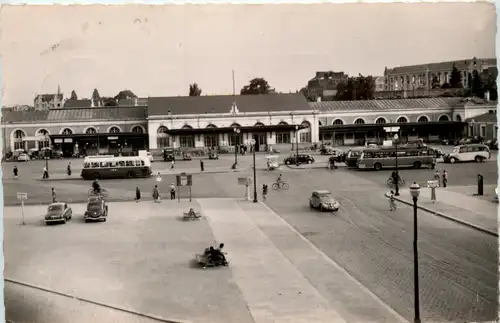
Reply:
x=45, y=172
x=156, y=194
x=53, y=195
x=202, y=165
x=68, y=169
x=172, y=191
x=137, y=194
x=15, y=171
x=172, y=164
x=445, y=178
x=437, y=177
x=264, y=191
x=392, y=202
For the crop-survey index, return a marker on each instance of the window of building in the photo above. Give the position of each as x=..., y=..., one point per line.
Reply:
x=162, y=137
x=114, y=130
x=67, y=131
x=210, y=140
x=186, y=141
x=137, y=129
x=282, y=137
x=483, y=131
x=359, y=121
x=90, y=130
x=235, y=139
x=402, y=120
x=495, y=132
x=305, y=137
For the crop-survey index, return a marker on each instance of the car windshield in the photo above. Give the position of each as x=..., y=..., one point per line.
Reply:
x=94, y=206
x=325, y=195
x=456, y=149
x=55, y=208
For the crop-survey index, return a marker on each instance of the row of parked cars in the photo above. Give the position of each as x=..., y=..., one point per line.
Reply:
x=60, y=212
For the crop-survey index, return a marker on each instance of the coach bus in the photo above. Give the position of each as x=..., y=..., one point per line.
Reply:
x=407, y=156
x=115, y=167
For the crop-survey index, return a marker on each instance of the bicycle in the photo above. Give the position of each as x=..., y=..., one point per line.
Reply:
x=280, y=185
x=390, y=182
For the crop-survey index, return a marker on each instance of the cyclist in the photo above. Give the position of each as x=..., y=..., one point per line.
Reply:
x=395, y=177
x=279, y=180
x=96, y=187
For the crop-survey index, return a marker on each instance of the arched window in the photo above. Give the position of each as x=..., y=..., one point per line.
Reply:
x=259, y=124
x=44, y=140
x=211, y=125
x=162, y=137
x=359, y=121
x=380, y=120
x=423, y=119
x=114, y=130
x=338, y=121
x=459, y=118
x=19, y=142
x=402, y=120
x=444, y=117
x=305, y=134
x=90, y=131
x=137, y=129
x=186, y=126
x=235, y=125
x=67, y=131
x=283, y=123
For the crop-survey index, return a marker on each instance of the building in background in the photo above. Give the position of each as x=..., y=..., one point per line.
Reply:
x=379, y=83
x=414, y=77
x=324, y=85
x=49, y=101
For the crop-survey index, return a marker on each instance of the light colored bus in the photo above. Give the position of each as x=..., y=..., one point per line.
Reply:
x=385, y=157
x=115, y=167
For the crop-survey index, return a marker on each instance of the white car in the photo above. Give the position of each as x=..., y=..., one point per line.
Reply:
x=471, y=152
x=150, y=156
x=23, y=157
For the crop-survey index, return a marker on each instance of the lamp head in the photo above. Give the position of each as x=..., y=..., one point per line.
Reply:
x=415, y=190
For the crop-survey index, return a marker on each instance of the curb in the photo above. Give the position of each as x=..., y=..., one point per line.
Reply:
x=116, y=308
x=440, y=214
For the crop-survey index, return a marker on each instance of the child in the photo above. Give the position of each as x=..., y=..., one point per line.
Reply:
x=392, y=202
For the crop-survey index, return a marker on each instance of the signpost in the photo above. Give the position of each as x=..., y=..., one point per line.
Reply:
x=22, y=197
x=246, y=181
x=184, y=180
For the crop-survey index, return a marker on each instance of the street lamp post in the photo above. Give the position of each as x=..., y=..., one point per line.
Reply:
x=254, y=174
x=297, y=145
x=236, y=133
x=396, y=137
x=97, y=130
x=47, y=153
x=415, y=192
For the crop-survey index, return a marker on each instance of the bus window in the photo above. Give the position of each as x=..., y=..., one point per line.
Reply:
x=95, y=165
x=121, y=163
x=137, y=163
x=86, y=165
x=142, y=163
x=130, y=163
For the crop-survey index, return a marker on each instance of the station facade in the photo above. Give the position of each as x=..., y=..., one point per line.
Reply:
x=277, y=120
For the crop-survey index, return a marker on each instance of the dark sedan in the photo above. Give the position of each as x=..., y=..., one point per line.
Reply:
x=58, y=213
x=299, y=159
x=97, y=209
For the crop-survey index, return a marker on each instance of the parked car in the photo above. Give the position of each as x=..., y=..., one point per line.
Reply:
x=492, y=144
x=186, y=156
x=300, y=158
x=97, y=209
x=464, y=153
x=323, y=200
x=23, y=157
x=168, y=155
x=213, y=155
x=58, y=212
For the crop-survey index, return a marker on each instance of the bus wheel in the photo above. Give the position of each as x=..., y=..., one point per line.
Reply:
x=378, y=166
x=96, y=176
x=130, y=175
x=417, y=165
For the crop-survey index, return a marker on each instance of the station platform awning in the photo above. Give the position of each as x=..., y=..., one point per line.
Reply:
x=253, y=129
x=380, y=126
x=69, y=138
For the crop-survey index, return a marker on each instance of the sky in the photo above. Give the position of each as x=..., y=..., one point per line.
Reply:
x=160, y=50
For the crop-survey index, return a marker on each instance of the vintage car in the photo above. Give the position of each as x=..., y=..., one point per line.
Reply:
x=299, y=159
x=272, y=162
x=23, y=157
x=97, y=209
x=168, y=155
x=213, y=155
x=186, y=156
x=58, y=212
x=323, y=201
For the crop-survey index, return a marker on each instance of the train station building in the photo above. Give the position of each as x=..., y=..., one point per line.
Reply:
x=277, y=120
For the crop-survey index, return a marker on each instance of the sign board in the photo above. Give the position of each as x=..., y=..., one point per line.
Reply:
x=432, y=184
x=113, y=138
x=391, y=129
x=68, y=140
x=184, y=179
x=58, y=140
x=22, y=196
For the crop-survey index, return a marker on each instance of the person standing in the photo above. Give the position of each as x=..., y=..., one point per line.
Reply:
x=137, y=194
x=202, y=165
x=172, y=164
x=437, y=177
x=53, y=195
x=445, y=178
x=392, y=202
x=15, y=171
x=45, y=172
x=156, y=194
x=264, y=191
x=172, y=191
x=68, y=169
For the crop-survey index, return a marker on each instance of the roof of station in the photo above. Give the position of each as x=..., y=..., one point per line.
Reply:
x=221, y=104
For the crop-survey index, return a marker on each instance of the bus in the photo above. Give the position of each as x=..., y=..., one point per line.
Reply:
x=115, y=167
x=407, y=156
x=353, y=155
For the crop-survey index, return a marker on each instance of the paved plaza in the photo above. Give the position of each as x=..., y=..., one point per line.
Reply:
x=287, y=263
